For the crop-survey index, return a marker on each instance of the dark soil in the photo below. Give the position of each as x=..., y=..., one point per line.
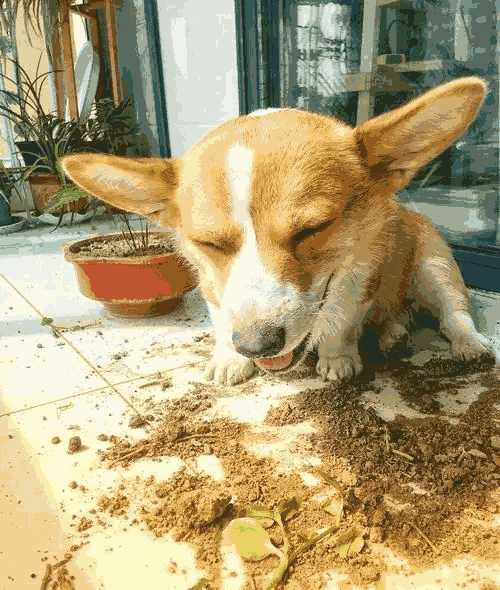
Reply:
x=121, y=247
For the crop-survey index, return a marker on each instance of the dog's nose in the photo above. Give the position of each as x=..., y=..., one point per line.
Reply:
x=259, y=342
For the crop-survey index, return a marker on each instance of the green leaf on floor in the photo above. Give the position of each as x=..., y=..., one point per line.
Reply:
x=250, y=539
x=349, y=543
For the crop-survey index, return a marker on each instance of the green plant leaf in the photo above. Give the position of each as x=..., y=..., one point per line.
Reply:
x=250, y=539
x=349, y=543
x=67, y=195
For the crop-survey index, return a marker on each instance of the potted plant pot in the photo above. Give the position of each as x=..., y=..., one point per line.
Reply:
x=44, y=187
x=8, y=222
x=5, y=214
x=130, y=286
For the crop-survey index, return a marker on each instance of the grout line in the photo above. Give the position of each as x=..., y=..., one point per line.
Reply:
x=98, y=389
x=75, y=349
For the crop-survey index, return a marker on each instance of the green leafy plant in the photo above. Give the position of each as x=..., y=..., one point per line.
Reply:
x=53, y=135
x=34, y=12
x=111, y=128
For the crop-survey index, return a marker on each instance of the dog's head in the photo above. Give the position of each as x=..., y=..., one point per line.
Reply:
x=269, y=206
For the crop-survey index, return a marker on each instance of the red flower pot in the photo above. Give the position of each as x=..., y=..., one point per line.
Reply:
x=138, y=286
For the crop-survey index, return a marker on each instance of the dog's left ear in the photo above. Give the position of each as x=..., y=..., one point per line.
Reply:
x=140, y=185
x=397, y=143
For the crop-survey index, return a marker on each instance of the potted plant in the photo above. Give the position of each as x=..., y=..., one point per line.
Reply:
x=46, y=138
x=134, y=273
x=9, y=186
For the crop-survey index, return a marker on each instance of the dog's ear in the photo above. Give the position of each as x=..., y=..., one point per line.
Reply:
x=145, y=186
x=397, y=143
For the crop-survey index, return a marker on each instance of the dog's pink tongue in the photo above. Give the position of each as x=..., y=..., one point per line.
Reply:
x=275, y=363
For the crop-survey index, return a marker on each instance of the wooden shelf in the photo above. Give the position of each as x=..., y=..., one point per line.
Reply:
x=415, y=66
x=378, y=81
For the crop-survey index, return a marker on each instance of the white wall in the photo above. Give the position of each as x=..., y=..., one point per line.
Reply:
x=198, y=43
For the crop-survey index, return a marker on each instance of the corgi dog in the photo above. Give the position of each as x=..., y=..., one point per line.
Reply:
x=291, y=220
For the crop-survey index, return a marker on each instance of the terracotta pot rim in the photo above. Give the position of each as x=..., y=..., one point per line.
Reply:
x=71, y=256
x=44, y=176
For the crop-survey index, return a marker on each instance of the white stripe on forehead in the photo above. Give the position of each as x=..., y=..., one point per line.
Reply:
x=239, y=172
x=250, y=283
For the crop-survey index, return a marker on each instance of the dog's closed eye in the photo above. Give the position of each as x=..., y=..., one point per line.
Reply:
x=221, y=246
x=307, y=232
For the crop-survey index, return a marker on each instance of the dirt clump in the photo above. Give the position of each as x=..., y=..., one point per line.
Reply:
x=84, y=524
x=74, y=445
x=137, y=421
x=115, y=505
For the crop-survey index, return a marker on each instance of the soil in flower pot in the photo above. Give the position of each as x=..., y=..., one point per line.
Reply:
x=44, y=187
x=130, y=281
x=119, y=247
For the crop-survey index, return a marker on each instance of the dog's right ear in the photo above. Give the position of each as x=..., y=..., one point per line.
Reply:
x=146, y=186
x=396, y=144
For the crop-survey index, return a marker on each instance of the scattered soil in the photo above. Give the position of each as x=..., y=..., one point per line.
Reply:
x=74, y=444
x=424, y=488
x=120, y=247
x=57, y=577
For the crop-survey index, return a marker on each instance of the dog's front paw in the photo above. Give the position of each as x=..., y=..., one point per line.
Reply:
x=339, y=367
x=470, y=346
x=229, y=368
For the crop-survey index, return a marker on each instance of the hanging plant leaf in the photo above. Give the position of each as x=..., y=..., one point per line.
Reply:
x=250, y=539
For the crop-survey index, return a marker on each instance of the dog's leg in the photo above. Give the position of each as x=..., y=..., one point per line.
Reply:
x=440, y=288
x=227, y=367
x=339, y=326
x=338, y=356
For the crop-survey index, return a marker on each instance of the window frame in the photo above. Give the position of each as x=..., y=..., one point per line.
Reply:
x=260, y=88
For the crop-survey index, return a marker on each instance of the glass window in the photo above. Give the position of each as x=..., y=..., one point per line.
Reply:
x=356, y=59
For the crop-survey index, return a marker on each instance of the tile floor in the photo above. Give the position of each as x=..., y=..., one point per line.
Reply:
x=88, y=381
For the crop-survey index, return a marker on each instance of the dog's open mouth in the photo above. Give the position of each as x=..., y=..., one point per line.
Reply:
x=284, y=362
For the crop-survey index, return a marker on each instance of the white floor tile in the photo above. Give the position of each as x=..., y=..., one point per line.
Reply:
x=35, y=367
